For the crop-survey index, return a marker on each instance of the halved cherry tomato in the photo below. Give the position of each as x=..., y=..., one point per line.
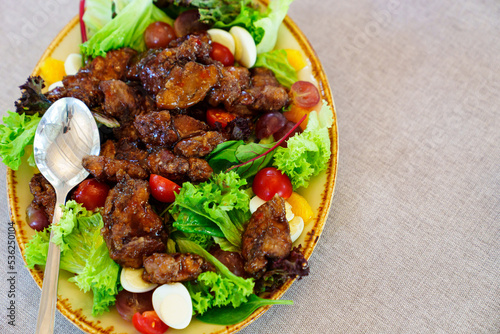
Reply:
x=304, y=94
x=91, y=194
x=221, y=53
x=163, y=189
x=149, y=323
x=220, y=116
x=270, y=181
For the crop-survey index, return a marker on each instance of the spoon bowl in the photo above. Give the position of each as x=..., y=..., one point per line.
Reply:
x=66, y=133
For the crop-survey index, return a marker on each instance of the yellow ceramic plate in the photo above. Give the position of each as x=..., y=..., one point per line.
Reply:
x=77, y=306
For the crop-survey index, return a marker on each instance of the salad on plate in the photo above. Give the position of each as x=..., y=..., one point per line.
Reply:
x=192, y=209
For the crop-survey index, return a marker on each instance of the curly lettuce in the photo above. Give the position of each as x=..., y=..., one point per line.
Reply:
x=83, y=252
x=218, y=207
x=308, y=153
x=215, y=289
x=16, y=133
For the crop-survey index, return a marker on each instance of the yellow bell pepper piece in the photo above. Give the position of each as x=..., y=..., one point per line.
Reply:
x=300, y=207
x=52, y=70
x=295, y=59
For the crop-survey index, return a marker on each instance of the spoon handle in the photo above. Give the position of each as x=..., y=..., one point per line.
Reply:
x=47, y=308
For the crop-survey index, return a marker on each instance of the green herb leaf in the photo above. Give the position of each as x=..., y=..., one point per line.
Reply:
x=236, y=152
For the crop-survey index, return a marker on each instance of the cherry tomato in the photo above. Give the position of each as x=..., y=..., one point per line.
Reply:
x=158, y=35
x=91, y=194
x=221, y=53
x=270, y=181
x=304, y=94
x=163, y=189
x=149, y=323
x=220, y=116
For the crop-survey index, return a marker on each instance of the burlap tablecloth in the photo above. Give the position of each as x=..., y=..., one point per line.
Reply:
x=412, y=242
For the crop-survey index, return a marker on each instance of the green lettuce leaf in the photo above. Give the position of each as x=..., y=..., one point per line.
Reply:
x=97, y=14
x=125, y=30
x=215, y=289
x=308, y=153
x=83, y=252
x=219, y=205
x=277, y=61
x=276, y=13
x=17, y=132
x=233, y=152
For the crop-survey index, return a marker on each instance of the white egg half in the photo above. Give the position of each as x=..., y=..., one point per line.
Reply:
x=173, y=305
x=256, y=201
x=245, y=49
x=296, y=227
x=55, y=85
x=73, y=63
x=222, y=37
x=131, y=280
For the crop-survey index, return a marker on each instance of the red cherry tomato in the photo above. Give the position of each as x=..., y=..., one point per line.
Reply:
x=149, y=323
x=163, y=189
x=221, y=53
x=304, y=94
x=158, y=35
x=270, y=181
x=220, y=116
x=91, y=194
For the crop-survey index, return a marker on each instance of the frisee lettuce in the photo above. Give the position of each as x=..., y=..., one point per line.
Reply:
x=83, y=252
x=277, y=61
x=308, y=153
x=125, y=30
x=16, y=133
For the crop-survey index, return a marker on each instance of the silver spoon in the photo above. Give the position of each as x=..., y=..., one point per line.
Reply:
x=66, y=133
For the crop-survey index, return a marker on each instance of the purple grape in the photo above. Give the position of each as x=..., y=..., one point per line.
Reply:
x=36, y=218
x=269, y=123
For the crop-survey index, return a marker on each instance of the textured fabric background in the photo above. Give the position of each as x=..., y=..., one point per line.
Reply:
x=412, y=242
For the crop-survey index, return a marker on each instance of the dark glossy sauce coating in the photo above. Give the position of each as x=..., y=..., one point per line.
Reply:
x=132, y=230
x=159, y=99
x=267, y=236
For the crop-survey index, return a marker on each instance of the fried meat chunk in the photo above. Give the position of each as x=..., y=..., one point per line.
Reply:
x=132, y=230
x=151, y=68
x=267, y=236
x=266, y=91
x=113, y=66
x=119, y=99
x=106, y=169
x=156, y=128
x=44, y=195
x=176, y=267
x=85, y=84
x=187, y=85
x=200, y=145
x=162, y=129
x=233, y=81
